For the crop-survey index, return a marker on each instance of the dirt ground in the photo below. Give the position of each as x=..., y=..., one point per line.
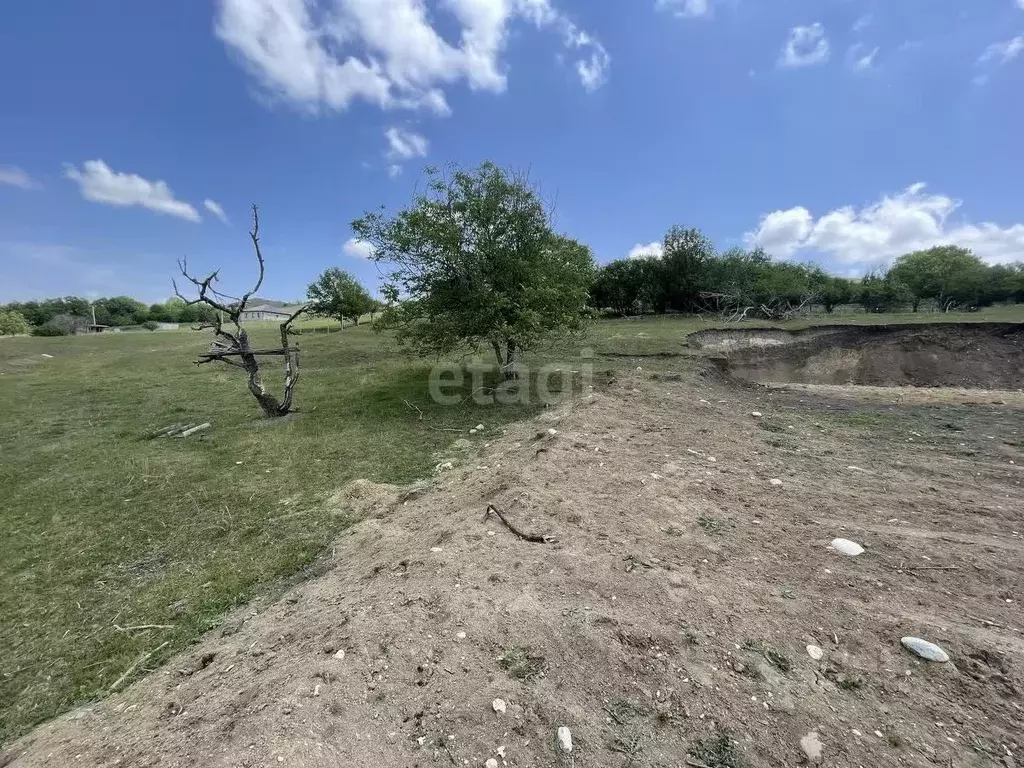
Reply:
x=667, y=626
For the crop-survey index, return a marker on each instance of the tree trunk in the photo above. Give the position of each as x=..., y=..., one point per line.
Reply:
x=506, y=359
x=268, y=403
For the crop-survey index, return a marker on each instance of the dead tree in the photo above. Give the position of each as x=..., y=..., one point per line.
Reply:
x=231, y=343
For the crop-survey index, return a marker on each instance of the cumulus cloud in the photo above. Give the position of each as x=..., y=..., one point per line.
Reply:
x=653, y=250
x=13, y=176
x=214, y=207
x=805, y=47
x=687, y=9
x=328, y=53
x=875, y=234
x=357, y=248
x=99, y=184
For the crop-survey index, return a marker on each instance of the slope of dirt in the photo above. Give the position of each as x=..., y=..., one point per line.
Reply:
x=676, y=605
x=988, y=355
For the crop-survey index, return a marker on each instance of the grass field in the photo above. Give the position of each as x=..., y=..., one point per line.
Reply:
x=105, y=530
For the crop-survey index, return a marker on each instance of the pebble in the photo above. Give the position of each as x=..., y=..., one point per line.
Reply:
x=460, y=635
x=775, y=481
x=472, y=431
x=925, y=650
x=552, y=431
x=564, y=738
x=811, y=745
x=479, y=427
x=491, y=763
x=499, y=705
x=340, y=655
x=847, y=547
x=756, y=414
x=815, y=652
x=436, y=549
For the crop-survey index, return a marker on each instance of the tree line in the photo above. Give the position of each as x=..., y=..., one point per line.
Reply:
x=65, y=315
x=692, y=277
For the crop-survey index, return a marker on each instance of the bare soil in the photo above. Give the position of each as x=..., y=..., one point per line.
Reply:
x=986, y=355
x=675, y=607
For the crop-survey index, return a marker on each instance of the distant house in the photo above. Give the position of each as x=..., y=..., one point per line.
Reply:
x=92, y=328
x=266, y=309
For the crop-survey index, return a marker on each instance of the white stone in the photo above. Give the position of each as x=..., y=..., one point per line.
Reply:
x=815, y=652
x=925, y=650
x=472, y=431
x=775, y=481
x=564, y=738
x=756, y=414
x=340, y=655
x=436, y=549
x=847, y=547
x=501, y=751
x=811, y=745
x=460, y=635
x=491, y=763
x=499, y=705
x=552, y=431
x=479, y=427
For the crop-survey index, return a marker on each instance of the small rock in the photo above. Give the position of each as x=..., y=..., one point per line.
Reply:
x=479, y=427
x=501, y=751
x=472, y=431
x=756, y=414
x=491, y=763
x=552, y=431
x=564, y=738
x=775, y=481
x=460, y=635
x=925, y=650
x=811, y=745
x=444, y=466
x=847, y=547
x=815, y=652
x=340, y=655
x=499, y=705
x=436, y=549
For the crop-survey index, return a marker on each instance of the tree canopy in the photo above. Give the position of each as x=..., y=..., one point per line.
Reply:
x=474, y=260
x=339, y=295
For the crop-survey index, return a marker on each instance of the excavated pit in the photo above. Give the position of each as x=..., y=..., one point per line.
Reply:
x=971, y=355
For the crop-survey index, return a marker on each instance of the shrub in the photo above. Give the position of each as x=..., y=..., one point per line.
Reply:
x=49, y=329
x=151, y=325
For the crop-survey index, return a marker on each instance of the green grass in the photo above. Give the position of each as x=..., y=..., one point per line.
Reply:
x=104, y=529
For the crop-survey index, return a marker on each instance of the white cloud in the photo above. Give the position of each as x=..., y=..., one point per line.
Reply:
x=13, y=176
x=875, y=234
x=653, y=250
x=858, y=60
x=214, y=207
x=99, y=184
x=686, y=9
x=357, y=248
x=1003, y=53
x=865, y=21
x=1020, y=4
x=329, y=53
x=806, y=46
x=405, y=145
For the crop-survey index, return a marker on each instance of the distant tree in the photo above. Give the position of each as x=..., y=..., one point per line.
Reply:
x=339, y=295
x=474, y=260
x=625, y=286
x=834, y=292
x=151, y=325
x=13, y=323
x=949, y=274
x=687, y=254
x=876, y=293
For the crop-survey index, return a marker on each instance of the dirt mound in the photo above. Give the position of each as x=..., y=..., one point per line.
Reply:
x=982, y=355
x=692, y=570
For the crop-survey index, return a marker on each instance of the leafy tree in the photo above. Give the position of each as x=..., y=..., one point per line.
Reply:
x=626, y=286
x=834, y=292
x=338, y=294
x=13, y=323
x=681, y=269
x=947, y=273
x=877, y=293
x=474, y=260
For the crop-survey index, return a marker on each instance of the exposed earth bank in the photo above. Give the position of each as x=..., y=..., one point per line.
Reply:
x=986, y=355
x=669, y=624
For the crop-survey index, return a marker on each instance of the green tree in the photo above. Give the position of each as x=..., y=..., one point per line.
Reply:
x=626, y=286
x=13, y=323
x=474, y=261
x=338, y=294
x=877, y=293
x=834, y=292
x=949, y=274
x=682, y=269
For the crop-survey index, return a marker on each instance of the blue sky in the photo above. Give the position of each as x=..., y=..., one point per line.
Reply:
x=841, y=131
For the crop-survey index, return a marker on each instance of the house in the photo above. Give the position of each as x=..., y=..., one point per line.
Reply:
x=268, y=310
